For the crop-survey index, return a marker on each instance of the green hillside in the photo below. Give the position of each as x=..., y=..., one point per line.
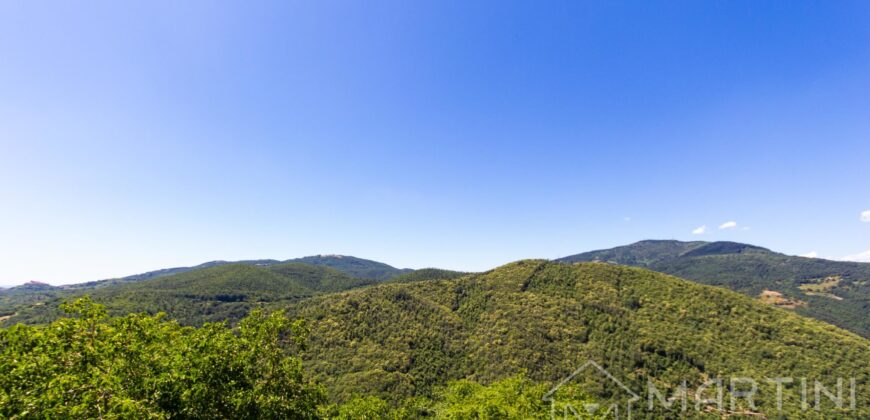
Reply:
x=544, y=319
x=454, y=345
x=833, y=291
x=25, y=295
x=424, y=274
x=356, y=267
x=38, y=302
x=89, y=365
x=352, y=266
x=217, y=293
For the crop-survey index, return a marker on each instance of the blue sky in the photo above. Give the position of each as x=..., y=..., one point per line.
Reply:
x=463, y=135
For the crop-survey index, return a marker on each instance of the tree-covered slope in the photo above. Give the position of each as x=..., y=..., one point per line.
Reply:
x=395, y=346
x=834, y=291
x=425, y=274
x=217, y=293
x=89, y=365
x=25, y=295
x=356, y=267
x=320, y=279
x=37, y=302
x=352, y=266
x=396, y=340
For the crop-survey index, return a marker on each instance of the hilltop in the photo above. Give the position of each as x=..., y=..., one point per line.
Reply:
x=356, y=267
x=398, y=340
x=407, y=337
x=213, y=291
x=833, y=291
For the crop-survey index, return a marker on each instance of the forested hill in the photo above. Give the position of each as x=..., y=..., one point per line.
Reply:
x=356, y=267
x=395, y=345
x=215, y=292
x=396, y=340
x=833, y=291
x=21, y=303
x=353, y=266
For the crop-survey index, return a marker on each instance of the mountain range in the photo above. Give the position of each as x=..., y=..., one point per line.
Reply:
x=836, y=292
x=191, y=286
x=653, y=312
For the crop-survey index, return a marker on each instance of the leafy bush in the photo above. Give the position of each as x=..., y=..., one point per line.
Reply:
x=515, y=397
x=88, y=365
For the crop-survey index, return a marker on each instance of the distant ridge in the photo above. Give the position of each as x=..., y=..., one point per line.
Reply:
x=837, y=292
x=357, y=267
x=214, y=291
x=354, y=266
x=227, y=284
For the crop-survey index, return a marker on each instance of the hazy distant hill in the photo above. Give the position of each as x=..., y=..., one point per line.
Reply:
x=29, y=293
x=217, y=293
x=356, y=267
x=213, y=291
x=834, y=291
x=402, y=339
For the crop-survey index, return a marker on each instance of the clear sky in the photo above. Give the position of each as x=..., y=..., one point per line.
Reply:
x=464, y=135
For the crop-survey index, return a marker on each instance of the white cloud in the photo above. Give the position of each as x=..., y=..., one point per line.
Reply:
x=728, y=225
x=811, y=254
x=700, y=230
x=860, y=257
x=865, y=216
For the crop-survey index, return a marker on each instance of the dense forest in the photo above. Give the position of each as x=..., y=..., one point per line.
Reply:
x=89, y=365
x=295, y=340
x=215, y=293
x=212, y=291
x=837, y=292
x=545, y=319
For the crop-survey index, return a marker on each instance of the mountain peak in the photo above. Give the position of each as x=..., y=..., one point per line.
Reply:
x=35, y=283
x=752, y=270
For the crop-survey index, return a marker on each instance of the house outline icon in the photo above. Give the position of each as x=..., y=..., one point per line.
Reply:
x=613, y=409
